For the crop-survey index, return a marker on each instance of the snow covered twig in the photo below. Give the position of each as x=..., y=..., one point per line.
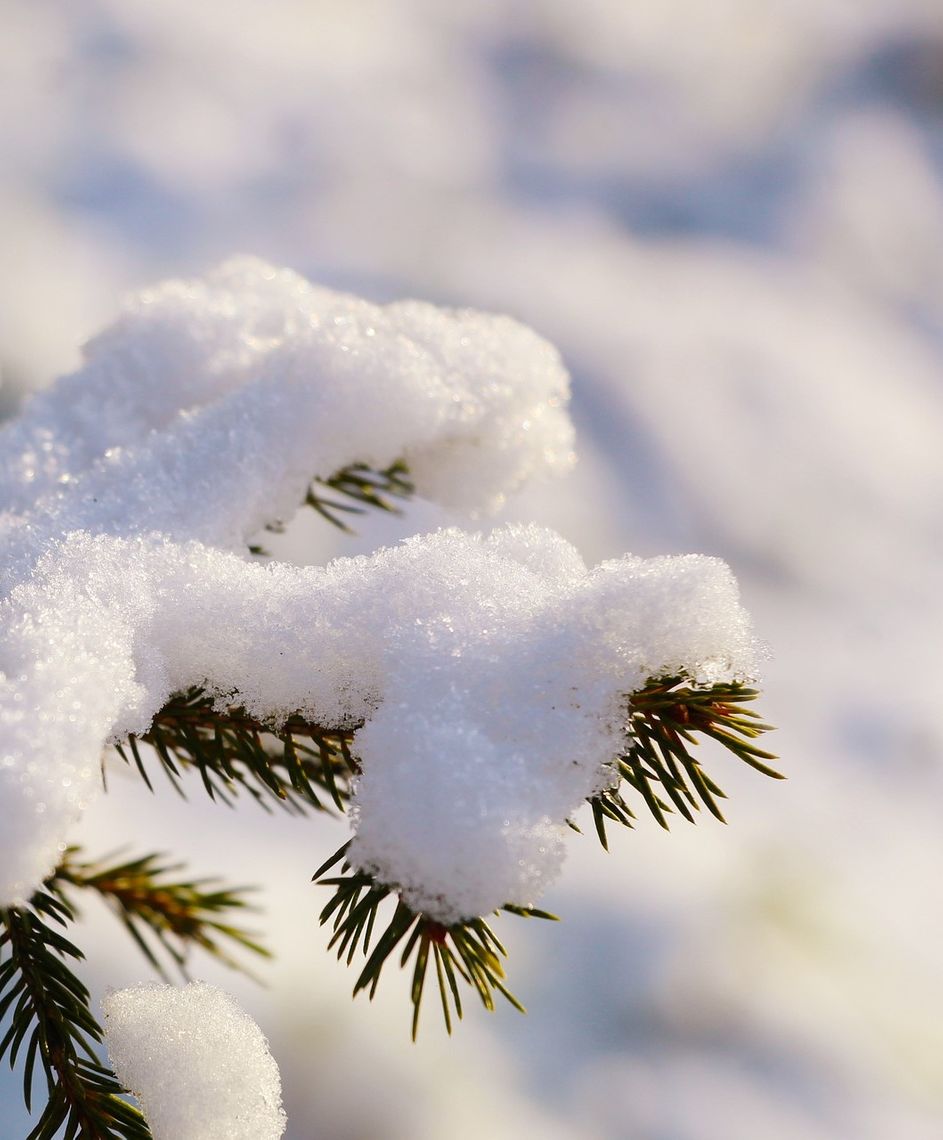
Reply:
x=460, y=695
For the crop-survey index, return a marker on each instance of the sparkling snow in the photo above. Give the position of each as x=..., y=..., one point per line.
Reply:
x=197, y=1063
x=490, y=674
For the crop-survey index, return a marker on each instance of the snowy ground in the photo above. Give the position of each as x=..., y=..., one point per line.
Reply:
x=729, y=217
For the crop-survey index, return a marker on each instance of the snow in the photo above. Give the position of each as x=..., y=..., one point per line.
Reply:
x=490, y=675
x=198, y=416
x=663, y=189
x=506, y=702
x=197, y=1063
x=169, y=424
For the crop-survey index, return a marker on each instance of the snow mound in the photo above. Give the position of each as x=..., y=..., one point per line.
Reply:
x=487, y=678
x=197, y=1063
x=490, y=677
x=172, y=422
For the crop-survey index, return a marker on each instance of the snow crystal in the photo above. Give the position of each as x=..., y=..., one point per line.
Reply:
x=487, y=678
x=197, y=1063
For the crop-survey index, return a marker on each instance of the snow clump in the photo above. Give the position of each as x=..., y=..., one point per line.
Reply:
x=486, y=677
x=199, y=1066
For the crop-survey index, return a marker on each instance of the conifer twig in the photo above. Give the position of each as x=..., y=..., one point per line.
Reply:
x=47, y=1006
x=300, y=766
x=162, y=912
x=465, y=952
x=353, y=490
x=665, y=719
x=360, y=487
x=50, y=1021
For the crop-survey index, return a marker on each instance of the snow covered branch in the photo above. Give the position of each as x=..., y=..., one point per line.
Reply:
x=463, y=694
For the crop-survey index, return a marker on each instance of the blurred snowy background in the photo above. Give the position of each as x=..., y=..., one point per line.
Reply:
x=728, y=214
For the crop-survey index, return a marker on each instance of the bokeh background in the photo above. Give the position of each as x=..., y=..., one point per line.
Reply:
x=728, y=214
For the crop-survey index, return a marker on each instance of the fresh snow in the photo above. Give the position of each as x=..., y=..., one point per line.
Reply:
x=489, y=673
x=197, y=1063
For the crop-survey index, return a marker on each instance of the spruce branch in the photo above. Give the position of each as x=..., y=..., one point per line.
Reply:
x=48, y=1011
x=665, y=720
x=47, y=1006
x=357, y=488
x=466, y=952
x=164, y=913
x=300, y=766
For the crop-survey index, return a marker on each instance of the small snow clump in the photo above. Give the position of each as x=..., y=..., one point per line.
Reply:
x=198, y=1065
